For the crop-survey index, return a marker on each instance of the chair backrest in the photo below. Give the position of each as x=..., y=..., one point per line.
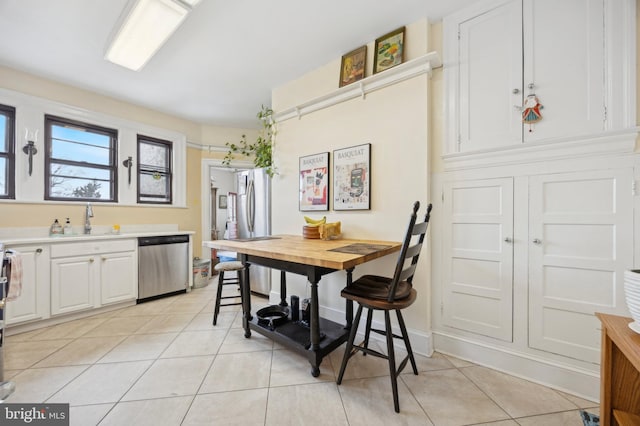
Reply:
x=411, y=247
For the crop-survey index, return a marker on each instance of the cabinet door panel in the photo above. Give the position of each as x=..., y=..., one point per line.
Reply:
x=35, y=281
x=564, y=60
x=582, y=222
x=72, y=284
x=490, y=58
x=478, y=257
x=118, y=277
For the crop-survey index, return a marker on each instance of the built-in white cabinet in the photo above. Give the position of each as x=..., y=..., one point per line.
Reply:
x=86, y=275
x=571, y=235
x=33, y=303
x=575, y=56
x=478, y=265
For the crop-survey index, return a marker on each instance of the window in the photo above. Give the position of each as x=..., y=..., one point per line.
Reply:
x=80, y=161
x=154, y=170
x=7, y=152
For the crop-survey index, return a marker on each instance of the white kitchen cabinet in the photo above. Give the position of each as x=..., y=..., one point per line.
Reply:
x=580, y=243
x=33, y=303
x=86, y=275
x=478, y=266
x=118, y=276
x=576, y=56
x=573, y=242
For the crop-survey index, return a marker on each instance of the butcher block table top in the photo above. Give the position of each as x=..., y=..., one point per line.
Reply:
x=337, y=254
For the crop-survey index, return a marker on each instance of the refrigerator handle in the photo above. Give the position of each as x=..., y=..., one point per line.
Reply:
x=251, y=206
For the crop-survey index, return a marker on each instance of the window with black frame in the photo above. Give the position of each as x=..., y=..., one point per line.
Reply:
x=80, y=161
x=154, y=170
x=7, y=151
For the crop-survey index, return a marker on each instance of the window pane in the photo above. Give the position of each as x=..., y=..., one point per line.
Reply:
x=3, y=133
x=81, y=160
x=4, y=177
x=153, y=185
x=153, y=155
x=79, y=188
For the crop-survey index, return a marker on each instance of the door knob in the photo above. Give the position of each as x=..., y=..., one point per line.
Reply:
x=537, y=241
x=508, y=240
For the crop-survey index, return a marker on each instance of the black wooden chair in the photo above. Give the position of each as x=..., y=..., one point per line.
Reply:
x=388, y=294
x=222, y=268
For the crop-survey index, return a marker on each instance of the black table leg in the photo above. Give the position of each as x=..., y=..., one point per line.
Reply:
x=283, y=289
x=315, y=322
x=246, y=297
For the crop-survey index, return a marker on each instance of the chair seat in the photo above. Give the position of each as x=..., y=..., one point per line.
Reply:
x=373, y=290
x=229, y=266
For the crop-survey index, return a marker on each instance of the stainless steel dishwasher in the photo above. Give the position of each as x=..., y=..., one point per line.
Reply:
x=163, y=266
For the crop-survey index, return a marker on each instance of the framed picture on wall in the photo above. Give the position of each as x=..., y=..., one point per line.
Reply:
x=353, y=65
x=314, y=182
x=352, y=178
x=222, y=201
x=389, y=50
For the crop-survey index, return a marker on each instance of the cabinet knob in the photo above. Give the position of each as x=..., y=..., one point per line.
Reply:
x=508, y=240
x=531, y=86
x=38, y=250
x=515, y=91
x=91, y=260
x=537, y=241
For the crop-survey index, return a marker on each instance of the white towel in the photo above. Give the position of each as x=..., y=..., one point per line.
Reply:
x=15, y=275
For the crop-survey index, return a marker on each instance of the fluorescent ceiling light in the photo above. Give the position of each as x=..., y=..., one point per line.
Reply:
x=144, y=29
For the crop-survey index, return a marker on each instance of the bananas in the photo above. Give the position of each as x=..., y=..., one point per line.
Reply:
x=314, y=222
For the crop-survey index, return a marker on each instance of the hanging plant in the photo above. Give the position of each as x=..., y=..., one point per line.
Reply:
x=262, y=149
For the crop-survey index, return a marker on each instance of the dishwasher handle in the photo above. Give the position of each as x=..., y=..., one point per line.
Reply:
x=163, y=239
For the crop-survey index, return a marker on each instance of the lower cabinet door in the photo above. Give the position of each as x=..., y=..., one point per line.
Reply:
x=118, y=277
x=580, y=243
x=33, y=302
x=73, y=282
x=478, y=257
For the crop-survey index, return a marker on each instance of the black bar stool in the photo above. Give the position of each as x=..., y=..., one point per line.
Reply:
x=223, y=267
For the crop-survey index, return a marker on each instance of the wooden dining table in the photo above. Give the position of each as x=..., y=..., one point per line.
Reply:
x=312, y=258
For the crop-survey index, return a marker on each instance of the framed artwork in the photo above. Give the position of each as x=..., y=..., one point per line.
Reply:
x=389, y=50
x=222, y=201
x=353, y=65
x=352, y=178
x=314, y=182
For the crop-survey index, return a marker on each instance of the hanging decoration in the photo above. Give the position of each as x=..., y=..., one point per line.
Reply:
x=531, y=113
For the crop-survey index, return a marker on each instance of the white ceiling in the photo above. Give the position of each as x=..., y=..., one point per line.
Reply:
x=219, y=66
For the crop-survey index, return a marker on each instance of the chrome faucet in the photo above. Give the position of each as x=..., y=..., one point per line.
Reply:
x=88, y=213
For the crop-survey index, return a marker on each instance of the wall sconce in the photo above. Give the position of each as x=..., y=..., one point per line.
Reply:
x=128, y=163
x=30, y=147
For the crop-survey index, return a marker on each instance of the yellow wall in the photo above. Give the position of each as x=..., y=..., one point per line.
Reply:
x=394, y=121
x=16, y=214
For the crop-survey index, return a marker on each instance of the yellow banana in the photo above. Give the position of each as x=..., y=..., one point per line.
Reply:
x=314, y=222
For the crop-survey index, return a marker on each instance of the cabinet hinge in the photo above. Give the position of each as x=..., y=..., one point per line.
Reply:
x=441, y=308
x=634, y=188
x=458, y=34
x=605, y=113
x=442, y=196
x=459, y=141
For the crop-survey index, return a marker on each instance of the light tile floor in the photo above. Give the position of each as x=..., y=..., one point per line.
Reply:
x=164, y=363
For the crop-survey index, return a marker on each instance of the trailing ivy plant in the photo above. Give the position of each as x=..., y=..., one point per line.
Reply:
x=262, y=149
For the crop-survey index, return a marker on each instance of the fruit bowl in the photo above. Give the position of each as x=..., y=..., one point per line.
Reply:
x=311, y=232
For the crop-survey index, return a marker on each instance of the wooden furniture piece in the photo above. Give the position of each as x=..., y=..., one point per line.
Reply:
x=313, y=259
x=388, y=294
x=619, y=372
x=221, y=268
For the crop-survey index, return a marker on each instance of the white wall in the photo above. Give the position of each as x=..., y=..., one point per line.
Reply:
x=394, y=121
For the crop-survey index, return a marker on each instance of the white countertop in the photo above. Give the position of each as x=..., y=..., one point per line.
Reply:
x=40, y=235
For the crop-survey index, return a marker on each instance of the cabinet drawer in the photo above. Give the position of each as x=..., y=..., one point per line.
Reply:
x=92, y=247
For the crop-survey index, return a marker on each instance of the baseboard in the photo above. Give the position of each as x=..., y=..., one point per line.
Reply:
x=576, y=381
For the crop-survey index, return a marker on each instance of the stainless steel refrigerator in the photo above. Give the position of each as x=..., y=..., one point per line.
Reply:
x=253, y=215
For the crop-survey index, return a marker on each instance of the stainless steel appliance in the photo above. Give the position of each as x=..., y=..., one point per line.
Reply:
x=253, y=215
x=163, y=266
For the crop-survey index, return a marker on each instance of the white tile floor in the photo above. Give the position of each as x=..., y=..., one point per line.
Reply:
x=164, y=363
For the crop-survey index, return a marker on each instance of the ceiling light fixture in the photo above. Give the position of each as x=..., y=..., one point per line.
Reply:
x=143, y=28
